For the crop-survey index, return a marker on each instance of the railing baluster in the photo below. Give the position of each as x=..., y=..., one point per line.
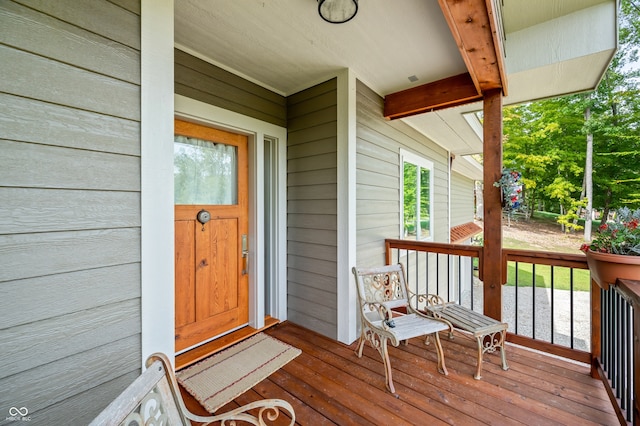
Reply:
x=571, y=303
x=448, y=278
x=615, y=335
x=438, y=274
x=623, y=357
x=427, y=269
x=459, y=278
x=417, y=253
x=516, y=290
x=472, y=281
x=553, y=299
x=533, y=301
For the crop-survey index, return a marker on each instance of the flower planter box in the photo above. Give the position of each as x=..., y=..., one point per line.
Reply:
x=606, y=268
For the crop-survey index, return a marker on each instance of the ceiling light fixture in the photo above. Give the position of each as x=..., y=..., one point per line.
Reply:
x=337, y=11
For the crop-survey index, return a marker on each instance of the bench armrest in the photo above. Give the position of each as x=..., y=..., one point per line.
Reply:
x=384, y=313
x=431, y=302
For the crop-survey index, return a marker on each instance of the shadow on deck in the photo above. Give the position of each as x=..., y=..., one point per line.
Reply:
x=328, y=384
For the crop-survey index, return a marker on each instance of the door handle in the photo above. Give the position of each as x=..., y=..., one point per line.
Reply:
x=245, y=262
x=245, y=255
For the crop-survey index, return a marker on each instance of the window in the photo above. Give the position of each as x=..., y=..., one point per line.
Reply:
x=416, y=197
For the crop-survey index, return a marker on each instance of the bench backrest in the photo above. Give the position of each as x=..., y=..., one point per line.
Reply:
x=385, y=284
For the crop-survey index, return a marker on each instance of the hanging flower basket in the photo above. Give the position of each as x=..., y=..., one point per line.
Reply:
x=606, y=268
x=511, y=189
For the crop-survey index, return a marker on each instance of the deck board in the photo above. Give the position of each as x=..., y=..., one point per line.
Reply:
x=328, y=384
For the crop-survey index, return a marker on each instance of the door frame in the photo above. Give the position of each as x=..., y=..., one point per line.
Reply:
x=256, y=131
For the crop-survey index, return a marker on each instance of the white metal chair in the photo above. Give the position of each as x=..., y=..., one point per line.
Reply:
x=154, y=399
x=382, y=298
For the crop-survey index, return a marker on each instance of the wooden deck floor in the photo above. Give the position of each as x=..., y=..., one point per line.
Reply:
x=328, y=384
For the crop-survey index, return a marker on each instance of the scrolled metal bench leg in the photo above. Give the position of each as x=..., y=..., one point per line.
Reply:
x=360, y=346
x=442, y=367
x=387, y=364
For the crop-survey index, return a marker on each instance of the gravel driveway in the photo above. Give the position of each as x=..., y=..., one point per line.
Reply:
x=541, y=313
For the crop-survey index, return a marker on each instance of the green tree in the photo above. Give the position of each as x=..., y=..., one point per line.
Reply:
x=543, y=141
x=547, y=140
x=615, y=121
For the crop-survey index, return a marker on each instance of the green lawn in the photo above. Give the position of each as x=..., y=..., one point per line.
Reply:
x=581, y=278
x=562, y=280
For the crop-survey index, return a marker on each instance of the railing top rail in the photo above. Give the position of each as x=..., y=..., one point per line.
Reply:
x=577, y=261
x=630, y=290
x=444, y=248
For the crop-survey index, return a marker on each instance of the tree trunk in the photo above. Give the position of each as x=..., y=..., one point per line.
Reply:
x=588, y=175
x=607, y=206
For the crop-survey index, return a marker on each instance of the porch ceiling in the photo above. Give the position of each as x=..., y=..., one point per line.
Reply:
x=285, y=46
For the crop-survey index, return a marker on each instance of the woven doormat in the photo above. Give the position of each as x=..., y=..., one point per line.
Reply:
x=225, y=375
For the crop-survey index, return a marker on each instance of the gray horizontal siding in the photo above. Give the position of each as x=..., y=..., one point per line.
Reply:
x=55, y=382
x=378, y=177
x=116, y=23
x=312, y=208
x=462, y=199
x=63, y=126
x=69, y=205
x=29, y=30
x=31, y=343
x=58, y=414
x=60, y=167
x=32, y=255
x=83, y=290
x=200, y=80
x=46, y=210
x=60, y=83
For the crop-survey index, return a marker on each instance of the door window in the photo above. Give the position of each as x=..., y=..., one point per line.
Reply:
x=205, y=172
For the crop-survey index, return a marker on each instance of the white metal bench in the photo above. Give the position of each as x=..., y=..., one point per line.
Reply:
x=381, y=291
x=488, y=332
x=154, y=398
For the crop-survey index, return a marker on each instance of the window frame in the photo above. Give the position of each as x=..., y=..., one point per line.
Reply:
x=422, y=163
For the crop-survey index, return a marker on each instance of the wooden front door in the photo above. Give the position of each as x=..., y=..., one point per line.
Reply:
x=211, y=224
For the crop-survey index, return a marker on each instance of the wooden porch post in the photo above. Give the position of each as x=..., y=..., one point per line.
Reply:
x=492, y=162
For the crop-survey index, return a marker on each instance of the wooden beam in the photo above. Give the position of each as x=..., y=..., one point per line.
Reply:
x=445, y=93
x=492, y=171
x=476, y=30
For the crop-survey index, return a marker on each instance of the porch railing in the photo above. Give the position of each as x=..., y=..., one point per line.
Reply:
x=550, y=305
x=449, y=270
x=618, y=363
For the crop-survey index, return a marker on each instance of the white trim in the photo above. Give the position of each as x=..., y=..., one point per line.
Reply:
x=156, y=179
x=410, y=157
x=346, y=92
x=280, y=229
x=256, y=130
x=449, y=171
